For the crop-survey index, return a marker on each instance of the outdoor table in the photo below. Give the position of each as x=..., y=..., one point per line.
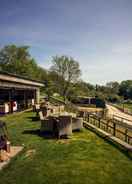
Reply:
x=64, y=114
x=61, y=124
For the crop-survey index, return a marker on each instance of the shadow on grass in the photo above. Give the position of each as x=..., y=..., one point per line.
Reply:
x=45, y=135
x=34, y=118
x=28, y=111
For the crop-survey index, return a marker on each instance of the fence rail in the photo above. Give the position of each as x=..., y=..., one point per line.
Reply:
x=114, y=126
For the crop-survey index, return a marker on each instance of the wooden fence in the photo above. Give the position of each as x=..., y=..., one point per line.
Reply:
x=116, y=127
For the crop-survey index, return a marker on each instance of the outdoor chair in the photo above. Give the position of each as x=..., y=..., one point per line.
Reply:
x=41, y=117
x=36, y=108
x=81, y=114
x=46, y=111
x=61, y=108
x=77, y=123
x=64, y=126
x=47, y=124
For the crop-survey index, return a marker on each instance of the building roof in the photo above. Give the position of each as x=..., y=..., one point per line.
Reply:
x=5, y=76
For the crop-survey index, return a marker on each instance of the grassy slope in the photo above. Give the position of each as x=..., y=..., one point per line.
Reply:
x=84, y=159
x=127, y=106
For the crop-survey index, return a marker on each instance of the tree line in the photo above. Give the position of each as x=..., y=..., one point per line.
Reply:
x=63, y=77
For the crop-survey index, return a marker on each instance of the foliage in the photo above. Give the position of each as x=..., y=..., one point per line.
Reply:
x=109, y=92
x=66, y=72
x=113, y=98
x=113, y=87
x=115, y=92
x=62, y=78
x=125, y=89
x=100, y=102
x=17, y=60
x=84, y=89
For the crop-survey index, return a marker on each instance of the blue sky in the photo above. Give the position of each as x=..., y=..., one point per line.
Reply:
x=97, y=33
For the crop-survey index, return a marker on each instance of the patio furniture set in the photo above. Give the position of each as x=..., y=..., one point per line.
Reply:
x=56, y=121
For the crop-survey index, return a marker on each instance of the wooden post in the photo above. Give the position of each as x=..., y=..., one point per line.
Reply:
x=99, y=123
x=88, y=117
x=92, y=120
x=25, y=99
x=37, y=95
x=107, y=124
x=82, y=114
x=114, y=129
x=9, y=93
x=1, y=155
x=85, y=114
x=128, y=139
x=126, y=131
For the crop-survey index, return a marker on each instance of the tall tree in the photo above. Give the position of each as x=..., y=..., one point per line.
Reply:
x=17, y=60
x=125, y=89
x=113, y=87
x=67, y=73
x=12, y=58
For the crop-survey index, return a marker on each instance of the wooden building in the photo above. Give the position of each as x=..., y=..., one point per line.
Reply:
x=17, y=93
x=89, y=101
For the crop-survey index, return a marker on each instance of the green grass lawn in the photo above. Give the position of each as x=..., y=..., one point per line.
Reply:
x=83, y=159
x=126, y=106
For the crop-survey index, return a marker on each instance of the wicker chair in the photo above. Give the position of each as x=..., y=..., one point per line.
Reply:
x=41, y=116
x=36, y=108
x=47, y=125
x=46, y=111
x=64, y=126
x=77, y=123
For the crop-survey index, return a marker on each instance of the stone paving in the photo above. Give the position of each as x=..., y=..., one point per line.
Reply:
x=14, y=150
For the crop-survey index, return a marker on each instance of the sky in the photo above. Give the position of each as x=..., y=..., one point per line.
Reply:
x=96, y=33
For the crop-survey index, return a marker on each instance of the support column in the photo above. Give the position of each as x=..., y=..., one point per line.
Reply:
x=37, y=95
x=89, y=101
x=10, y=98
x=25, y=99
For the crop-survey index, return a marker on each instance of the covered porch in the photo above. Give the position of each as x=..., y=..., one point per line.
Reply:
x=17, y=93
